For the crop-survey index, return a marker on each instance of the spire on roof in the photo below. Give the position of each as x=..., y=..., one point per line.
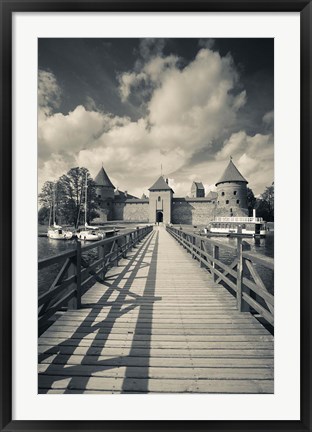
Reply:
x=231, y=174
x=102, y=179
x=160, y=184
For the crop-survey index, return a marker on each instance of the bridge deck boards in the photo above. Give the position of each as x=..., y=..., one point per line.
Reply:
x=158, y=323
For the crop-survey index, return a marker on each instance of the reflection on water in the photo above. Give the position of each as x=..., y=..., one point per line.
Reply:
x=48, y=247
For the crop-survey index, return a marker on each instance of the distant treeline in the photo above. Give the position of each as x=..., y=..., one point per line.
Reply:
x=264, y=204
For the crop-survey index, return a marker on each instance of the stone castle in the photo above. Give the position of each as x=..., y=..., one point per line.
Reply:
x=230, y=199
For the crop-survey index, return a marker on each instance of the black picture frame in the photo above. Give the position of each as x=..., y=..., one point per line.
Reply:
x=6, y=228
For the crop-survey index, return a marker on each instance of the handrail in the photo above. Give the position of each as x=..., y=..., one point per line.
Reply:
x=241, y=276
x=75, y=275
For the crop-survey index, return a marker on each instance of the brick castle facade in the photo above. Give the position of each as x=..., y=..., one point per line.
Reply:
x=230, y=199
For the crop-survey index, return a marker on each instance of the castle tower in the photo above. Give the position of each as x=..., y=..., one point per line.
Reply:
x=104, y=187
x=105, y=194
x=160, y=200
x=232, y=192
x=197, y=190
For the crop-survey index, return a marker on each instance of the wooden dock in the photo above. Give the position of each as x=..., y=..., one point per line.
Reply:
x=157, y=323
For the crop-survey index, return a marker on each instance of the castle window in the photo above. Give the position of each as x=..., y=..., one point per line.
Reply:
x=237, y=201
x=213, y=202
x=218, y=202
x=235, y=192
x=99, y=196
x=222, y=193
x=159, y=198
x=227, y=201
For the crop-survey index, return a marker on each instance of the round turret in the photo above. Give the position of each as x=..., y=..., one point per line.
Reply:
x=232, y=193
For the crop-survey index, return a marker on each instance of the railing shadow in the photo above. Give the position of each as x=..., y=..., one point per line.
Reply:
x=61, y=353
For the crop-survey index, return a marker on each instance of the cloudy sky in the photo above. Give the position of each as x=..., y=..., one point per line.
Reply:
x=137, y=104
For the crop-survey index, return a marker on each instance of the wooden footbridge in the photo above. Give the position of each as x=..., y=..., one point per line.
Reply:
x=147, y=315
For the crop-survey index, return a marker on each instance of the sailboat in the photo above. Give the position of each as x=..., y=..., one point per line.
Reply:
x=90, y=233
x=55, y=231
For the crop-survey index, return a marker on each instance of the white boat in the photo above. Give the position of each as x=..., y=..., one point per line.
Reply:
x=237, y=226
x=56, y=232
x=90, y=233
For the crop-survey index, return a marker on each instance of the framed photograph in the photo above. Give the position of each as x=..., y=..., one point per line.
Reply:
x=155, y=215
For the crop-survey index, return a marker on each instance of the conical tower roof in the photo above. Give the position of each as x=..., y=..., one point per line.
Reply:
x=231, y=174
x=102, y=179
x=160, y=184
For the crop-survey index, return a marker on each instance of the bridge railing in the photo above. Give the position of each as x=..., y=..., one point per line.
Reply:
x=241, y=277
x=76, y=271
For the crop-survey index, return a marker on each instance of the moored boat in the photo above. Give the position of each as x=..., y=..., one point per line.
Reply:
x=56, y=232
x=90, y=233
x=237, y=227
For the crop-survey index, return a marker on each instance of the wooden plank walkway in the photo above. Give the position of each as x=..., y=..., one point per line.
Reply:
x=158, y=323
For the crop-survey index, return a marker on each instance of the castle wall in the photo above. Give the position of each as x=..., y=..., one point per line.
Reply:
x=192, y=212
x=137, y=211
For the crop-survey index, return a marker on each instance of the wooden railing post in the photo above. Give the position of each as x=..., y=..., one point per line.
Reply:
x=215, y=256
x=101, y=255
x=242, y=306
x=201, y=255
x=239, y=293
x=72, y=271
x=78, y=276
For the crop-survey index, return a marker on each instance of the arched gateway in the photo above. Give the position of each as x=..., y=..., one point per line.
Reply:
x=159, y=216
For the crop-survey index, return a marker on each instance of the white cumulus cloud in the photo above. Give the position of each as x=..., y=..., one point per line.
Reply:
x=187, y=111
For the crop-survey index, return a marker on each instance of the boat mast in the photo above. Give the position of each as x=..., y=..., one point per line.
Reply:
x=86, y=192
x=54, y=205
x=50, y=214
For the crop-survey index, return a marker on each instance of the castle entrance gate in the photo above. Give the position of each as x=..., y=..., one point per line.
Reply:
x=159, y=216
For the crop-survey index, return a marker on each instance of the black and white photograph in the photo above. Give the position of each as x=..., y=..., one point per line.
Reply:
x=155, y=215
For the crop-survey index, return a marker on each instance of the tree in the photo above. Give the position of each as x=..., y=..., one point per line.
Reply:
x=46, y=195
x=265, y=205
x=251, y=201
x=50, y=198
x=43, y=215
x=268, y=197
x=72, y=186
